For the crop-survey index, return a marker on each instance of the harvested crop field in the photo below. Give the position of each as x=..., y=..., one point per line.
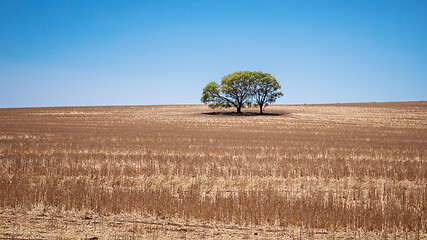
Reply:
x=337, y=171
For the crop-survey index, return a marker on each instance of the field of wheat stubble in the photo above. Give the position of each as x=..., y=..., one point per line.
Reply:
x=337, y=171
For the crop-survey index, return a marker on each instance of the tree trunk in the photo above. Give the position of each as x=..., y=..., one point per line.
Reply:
x=260, y=109
x=239, y=109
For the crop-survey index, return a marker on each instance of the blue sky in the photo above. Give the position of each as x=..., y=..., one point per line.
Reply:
x=72, y=53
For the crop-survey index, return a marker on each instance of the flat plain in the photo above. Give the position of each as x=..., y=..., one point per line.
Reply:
x=332, y=171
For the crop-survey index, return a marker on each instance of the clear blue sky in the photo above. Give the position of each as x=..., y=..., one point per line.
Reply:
x=71, y=53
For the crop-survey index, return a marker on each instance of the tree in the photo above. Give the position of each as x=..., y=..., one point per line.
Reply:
x=242, y=88
x=265, y=90
x=235, y=90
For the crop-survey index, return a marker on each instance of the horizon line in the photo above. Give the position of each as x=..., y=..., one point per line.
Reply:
x=194, y=104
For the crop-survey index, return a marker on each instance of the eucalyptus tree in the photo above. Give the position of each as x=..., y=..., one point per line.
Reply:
x=265, y=90
x=235, y=91
x=240, y=89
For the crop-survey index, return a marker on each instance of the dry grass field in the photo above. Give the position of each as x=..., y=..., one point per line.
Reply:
x=338, y=171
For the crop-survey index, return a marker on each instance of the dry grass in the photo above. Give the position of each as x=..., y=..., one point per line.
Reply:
x=319, y=171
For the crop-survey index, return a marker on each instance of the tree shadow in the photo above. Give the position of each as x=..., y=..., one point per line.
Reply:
x=245, y=114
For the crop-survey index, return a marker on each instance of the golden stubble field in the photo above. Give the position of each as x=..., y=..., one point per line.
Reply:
x=339, y=171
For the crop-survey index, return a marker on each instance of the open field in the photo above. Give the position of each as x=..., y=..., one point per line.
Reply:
x=338, y=171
